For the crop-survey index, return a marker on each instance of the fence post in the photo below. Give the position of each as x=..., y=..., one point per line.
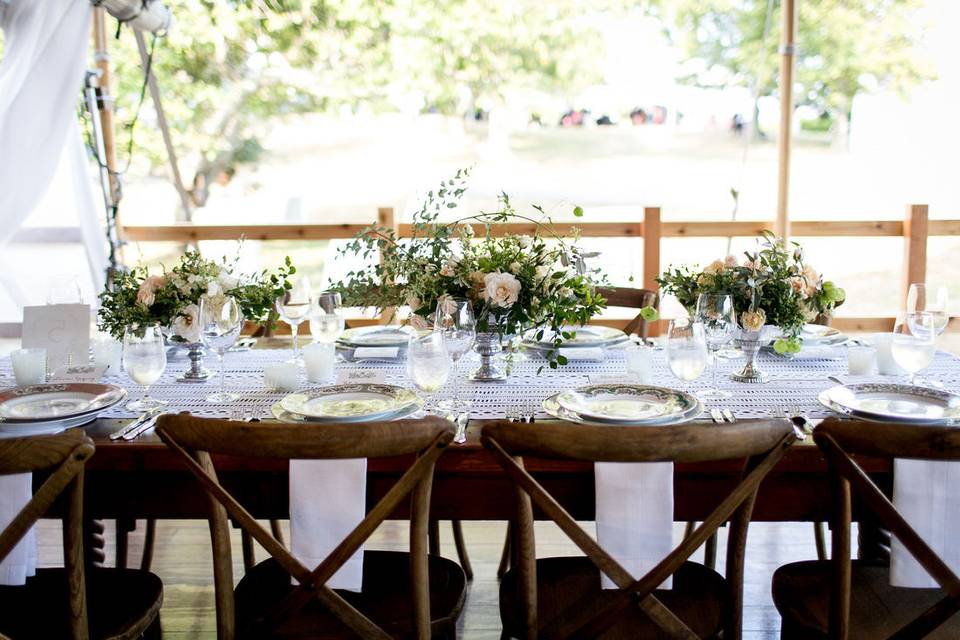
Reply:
x=915, y=233
x=386, y=218
x=651, y=253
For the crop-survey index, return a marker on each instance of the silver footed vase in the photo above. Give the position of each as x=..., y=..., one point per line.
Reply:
x=750, y=342
x=488, y=345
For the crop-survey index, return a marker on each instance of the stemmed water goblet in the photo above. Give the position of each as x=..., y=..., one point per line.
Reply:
x=428, y=364
x=455, y=320
x=294, y=306
x=144, y=360
x=686, y=349
x=914, y=342
x=932, y=302
x=220, y=323
x=326, y=321
x=715, y=311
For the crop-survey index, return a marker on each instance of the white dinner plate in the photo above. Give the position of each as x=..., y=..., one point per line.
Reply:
x=293, y=418
x=628, y=403
x=553, y=409
x=350, y=402
x=24, y=429
x=893, y=403
x=588, y=336
x=45, y=402
x=377, y=336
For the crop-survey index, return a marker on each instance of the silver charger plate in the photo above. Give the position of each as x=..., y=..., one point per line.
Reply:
x=292, y=418
x=350, y=402
x=588, y=336
x=377, y=336
x=46, y=402
x=676, y=406
x=893, y=403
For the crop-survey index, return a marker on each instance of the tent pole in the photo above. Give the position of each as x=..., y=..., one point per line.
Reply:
x=101, y=58
x=787, y=51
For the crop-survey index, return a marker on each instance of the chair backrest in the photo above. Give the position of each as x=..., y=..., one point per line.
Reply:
x=761, y=443
x=841, y=439
x=195, y=439
x=64, y=456
x=631, y=299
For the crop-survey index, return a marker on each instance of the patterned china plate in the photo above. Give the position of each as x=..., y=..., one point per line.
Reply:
x=46, y=402
x=894, y=403
x=588, y=336
x=23, y=429
x=628, y=404
x=350, y=402
x=377, y=336
x=293, y=418
x=553, y=409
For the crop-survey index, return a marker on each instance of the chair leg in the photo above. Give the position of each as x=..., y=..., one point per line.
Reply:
x=249, y=555
x=461, y=548
x=276, y=531
x=710, y=552
x=505, y=555
x=149, y=539
x=688, y=530
x=819, y=539
x=433, y=538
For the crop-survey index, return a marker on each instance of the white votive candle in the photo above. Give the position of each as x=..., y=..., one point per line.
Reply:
x=318, y=358
x=861, y=360
x=108, y=353
x=640, y=362
x=886, y=365
x=29, y=366
x=284, y=376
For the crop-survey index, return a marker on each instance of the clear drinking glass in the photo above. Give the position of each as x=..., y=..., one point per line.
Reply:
x=326, y=321
x=144, y=359
x=220, y=323
x=294, y=307
x=914, y=342
x=454, y=319
x=428, y=363
x=686, y=349
x=715, y=311
x=933, y=300
x=64, y=289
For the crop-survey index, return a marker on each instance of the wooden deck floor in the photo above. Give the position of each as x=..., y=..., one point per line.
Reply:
x=182, y=560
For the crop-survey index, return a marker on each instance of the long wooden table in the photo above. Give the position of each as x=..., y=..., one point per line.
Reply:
x=144, y=479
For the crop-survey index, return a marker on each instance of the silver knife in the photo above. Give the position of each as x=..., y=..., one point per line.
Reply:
x=728, y=415
x=149, y=422
x=127, y=428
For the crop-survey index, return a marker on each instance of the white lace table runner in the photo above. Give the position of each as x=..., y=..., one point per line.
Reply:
x=794, y=383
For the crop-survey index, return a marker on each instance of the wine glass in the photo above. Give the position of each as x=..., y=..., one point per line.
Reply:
x=295, y=306
x=454, y=319
x=428, y=363
x=326, y=322
x=64, y=289
x=144, y=359
x=220, y=323
x=686, y=349
x=922, y=298
x=913, y=345
x=715, y=312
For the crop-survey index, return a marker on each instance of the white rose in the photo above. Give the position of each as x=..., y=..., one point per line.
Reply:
x=514, y=267
x=501, y=289
x=146, y=294
x=187, y=325
x=566, y=292
x=525, y=241
x=542, y=273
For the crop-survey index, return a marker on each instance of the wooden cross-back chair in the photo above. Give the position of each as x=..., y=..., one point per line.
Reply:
x=843, y=598
x=562, y=598
x=632, y=299
x=74, y=601
x=404, y=594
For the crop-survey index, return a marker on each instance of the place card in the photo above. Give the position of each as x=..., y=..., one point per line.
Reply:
x=358, y=376
x=376, y=353
x=80, y=373
x=62, y=329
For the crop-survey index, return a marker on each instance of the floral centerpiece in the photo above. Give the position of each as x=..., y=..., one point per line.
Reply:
x=172, y=299
x=771, y=286
x=515, y=282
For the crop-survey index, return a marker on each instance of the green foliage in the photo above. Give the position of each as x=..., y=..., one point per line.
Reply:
x=843, y=46
x=516, y=283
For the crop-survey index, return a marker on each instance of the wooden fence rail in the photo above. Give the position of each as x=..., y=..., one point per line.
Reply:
x=916, y=228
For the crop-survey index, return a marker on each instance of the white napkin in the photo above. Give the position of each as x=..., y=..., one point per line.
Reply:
x=635, y=514
x=21, y=562
x=924, y=492
x=375, y=353
x=327, y=500
x=582, y=353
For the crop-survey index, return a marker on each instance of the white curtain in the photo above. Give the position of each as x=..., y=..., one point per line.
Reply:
x=41, y=74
